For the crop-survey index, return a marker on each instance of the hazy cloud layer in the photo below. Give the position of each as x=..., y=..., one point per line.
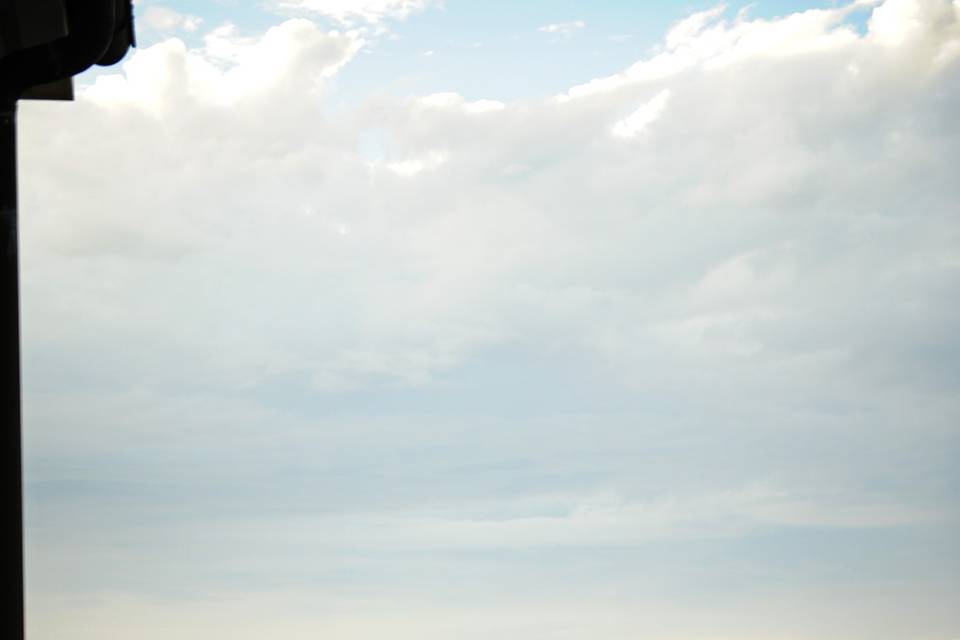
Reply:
x=700, y=306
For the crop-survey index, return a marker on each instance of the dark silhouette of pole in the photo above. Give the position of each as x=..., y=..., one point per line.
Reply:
x=11, y=483
x=43, y=43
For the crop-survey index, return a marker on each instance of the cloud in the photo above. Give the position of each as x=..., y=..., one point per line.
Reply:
x=456, y=102
x=637, y=121
x=493, y=195
x=412, y=167
x=564, y=28
x=483, y=179
x=293, y=56
x=357, y=11
x=600, y=521
x=164, y=19
x=518, y=325
x=300, y=613
x=895, y=22
x=705, y=40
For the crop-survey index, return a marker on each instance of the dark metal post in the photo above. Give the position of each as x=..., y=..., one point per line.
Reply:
x=11, y=464
x=41, y=43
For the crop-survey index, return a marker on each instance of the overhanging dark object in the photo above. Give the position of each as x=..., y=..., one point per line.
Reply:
x=58, y=90
x=43, y=43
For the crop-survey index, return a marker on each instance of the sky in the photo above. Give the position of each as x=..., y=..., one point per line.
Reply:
x=408, y=319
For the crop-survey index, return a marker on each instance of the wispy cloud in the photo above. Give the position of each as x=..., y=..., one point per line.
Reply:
x=163, y=19
x=357, y=11
x=564, y=28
